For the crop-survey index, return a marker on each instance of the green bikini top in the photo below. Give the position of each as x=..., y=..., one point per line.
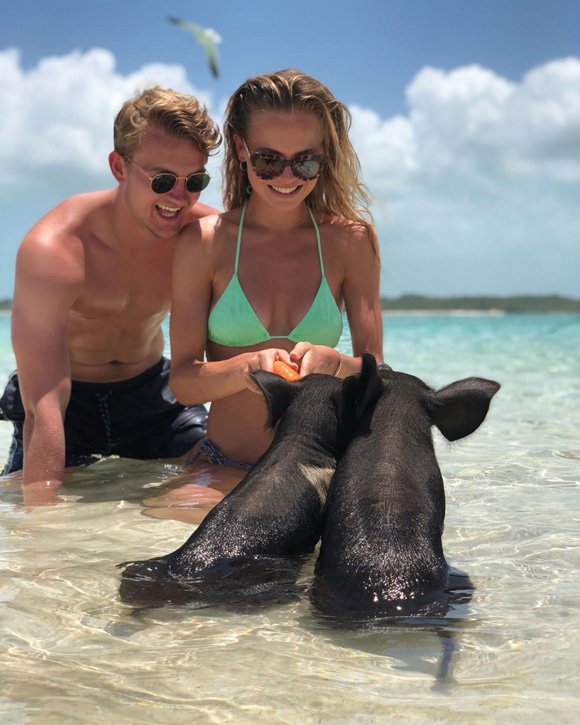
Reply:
x=233, y=322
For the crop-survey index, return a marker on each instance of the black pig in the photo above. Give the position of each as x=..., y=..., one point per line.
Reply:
x=274, y=512
x=381, y=551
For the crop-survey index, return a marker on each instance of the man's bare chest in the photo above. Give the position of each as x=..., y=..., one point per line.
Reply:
x=134, y=285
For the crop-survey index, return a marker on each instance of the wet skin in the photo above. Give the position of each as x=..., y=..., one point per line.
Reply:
x=93, y=286
x=279, y=271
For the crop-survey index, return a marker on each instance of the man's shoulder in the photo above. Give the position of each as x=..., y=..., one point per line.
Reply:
x=70, y=222
x=73, y=215
x=212, y=231
x=201, y=228
x=200, y=210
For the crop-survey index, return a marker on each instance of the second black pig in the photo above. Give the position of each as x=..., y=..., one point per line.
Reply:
x=381, y=551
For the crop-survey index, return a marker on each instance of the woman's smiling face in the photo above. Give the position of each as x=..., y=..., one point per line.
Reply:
x=290, y=134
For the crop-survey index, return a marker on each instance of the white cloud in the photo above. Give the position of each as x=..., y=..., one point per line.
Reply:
x=58, y=117
x=470, y=122
x=478, y=171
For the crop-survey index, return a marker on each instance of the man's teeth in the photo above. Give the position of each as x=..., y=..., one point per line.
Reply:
x=168, y=211
x=284, y=190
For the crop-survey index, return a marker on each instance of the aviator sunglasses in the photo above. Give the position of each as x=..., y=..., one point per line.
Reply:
x=269, y=166
x=163, y=183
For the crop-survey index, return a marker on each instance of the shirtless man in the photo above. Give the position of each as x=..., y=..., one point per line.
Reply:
x=93, y=286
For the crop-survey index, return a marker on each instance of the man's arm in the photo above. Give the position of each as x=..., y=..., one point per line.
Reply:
x=49, y=275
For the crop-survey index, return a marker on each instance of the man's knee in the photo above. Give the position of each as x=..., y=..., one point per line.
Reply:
x=195, y=416
x=171, y=439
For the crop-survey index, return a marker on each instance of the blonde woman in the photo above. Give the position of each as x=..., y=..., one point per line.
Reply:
x=269, y=278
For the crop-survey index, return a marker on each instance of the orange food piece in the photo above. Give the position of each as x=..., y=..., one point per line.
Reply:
x=285, y=371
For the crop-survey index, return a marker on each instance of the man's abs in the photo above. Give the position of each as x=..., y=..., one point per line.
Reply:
x=113, y=353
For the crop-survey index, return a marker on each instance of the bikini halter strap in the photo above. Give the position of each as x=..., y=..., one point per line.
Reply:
x=239, y=239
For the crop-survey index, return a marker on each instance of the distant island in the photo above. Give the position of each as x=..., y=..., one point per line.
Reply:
x=486, y=304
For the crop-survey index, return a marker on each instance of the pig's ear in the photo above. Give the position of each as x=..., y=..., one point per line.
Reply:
x=279, y=393
x=358, y=399
x=460, y=408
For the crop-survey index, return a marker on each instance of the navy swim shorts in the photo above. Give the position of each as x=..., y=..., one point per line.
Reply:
x=135, y=418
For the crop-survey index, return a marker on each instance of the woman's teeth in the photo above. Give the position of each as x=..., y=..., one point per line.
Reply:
x=284, y=189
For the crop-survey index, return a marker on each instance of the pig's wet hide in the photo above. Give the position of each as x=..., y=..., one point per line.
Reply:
x=244, y=583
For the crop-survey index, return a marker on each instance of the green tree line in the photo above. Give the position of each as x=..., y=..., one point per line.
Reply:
x=410, y=302
x=521, y=303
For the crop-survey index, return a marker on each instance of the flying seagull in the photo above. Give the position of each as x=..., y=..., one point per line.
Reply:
x=206, y=37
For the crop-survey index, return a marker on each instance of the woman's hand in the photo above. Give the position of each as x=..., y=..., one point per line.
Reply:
x=315, y=359
x=264, y=360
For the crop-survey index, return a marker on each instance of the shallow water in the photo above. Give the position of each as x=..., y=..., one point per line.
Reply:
x=70, y=650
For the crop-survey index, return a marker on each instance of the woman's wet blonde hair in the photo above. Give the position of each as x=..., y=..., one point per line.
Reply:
x=339, y=191
x=178, y=114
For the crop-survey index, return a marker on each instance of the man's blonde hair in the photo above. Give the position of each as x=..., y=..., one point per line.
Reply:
x=178, y=114
x=339, y=191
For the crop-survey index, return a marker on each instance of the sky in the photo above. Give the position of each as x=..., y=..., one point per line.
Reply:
x=465, y=118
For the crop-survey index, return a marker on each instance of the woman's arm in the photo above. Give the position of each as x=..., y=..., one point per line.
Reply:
x=362, y=297
x=192, y=379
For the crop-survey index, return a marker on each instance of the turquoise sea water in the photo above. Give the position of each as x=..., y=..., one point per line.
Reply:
x=70, y=650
